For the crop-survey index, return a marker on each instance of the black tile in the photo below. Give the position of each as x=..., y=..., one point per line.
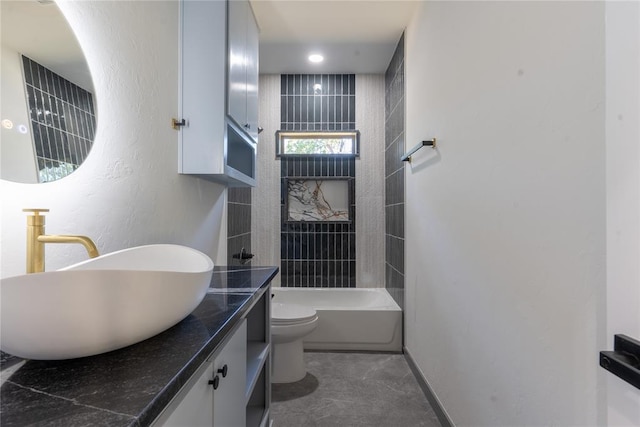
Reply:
x=283, y=111
x=39, y=76
x=290, y=165
x=324, y=109
x=51, y=137
x=92, y=128
x=317, y=109
x=39, y=104
x=325, y=83
x=290, y=84
x=90, y=101
x=345, y=110
x=352, y=108
x=31, y=99
x=331, y=110
x=26, y=65
x=352, y=167
x=352, y=84
x=342, y=84
x=82, y=124
x=79, y=147
x=394, y=188
x=338, y=110
x=331, y=85
x=296, y=84
x=61, y=147
x=47, y=82
x=297, y=109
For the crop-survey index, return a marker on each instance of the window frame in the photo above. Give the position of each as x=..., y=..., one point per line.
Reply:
x=282, y=134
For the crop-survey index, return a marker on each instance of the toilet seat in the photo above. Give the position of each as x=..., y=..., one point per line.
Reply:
x=291, y=314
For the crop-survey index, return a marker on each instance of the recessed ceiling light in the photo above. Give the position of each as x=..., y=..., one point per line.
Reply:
x=315, y=57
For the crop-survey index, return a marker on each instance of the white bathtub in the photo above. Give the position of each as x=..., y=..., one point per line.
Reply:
x=349, y=318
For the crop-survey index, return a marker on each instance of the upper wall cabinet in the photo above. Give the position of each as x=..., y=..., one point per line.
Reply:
x=243, y=67
x=218, y=91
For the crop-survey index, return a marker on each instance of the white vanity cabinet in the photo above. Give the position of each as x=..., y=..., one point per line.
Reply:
x=230, y=369
x=218, y=92
x=214, y=395
x=232, y=387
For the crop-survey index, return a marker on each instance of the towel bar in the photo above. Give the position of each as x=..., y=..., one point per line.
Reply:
x=428, y=143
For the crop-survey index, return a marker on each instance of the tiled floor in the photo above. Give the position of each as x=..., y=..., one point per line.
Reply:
x=353, y=389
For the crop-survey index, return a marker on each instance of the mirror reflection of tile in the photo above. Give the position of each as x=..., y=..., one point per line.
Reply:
x=324, y=200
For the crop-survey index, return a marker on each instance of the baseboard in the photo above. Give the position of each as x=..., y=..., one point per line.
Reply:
x=443, y=417
x=313, y=350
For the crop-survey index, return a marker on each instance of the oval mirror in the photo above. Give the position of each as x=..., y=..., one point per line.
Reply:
x=47, y=111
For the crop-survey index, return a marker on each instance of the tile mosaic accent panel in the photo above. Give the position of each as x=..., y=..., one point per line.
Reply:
x=394, y=175
x=318, y=200
x=63, y=121
x=318, y=254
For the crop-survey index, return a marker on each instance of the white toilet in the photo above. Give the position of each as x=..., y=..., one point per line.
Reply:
x=289, y=324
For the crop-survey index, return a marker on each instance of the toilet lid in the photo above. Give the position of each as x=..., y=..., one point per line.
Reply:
x=288, y=313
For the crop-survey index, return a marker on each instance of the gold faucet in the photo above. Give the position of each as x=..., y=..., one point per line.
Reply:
x=36, y=240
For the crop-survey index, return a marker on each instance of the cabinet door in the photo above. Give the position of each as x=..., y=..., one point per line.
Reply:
x=202, y=86
x=252, y=74
x=237, y=89
x=229, y=404
x=193, y=408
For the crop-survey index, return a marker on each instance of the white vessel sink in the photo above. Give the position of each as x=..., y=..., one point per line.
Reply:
x=102, y=304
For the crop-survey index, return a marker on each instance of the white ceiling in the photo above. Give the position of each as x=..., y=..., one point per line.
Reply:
x=355, y=36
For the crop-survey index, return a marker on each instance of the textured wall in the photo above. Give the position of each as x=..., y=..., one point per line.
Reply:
x=128, y=191
x=623, y=197
x=394, y=201
x=505, y=270
x=265, y=207
x=370, y=244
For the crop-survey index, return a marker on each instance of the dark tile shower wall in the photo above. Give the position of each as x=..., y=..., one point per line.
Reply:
x=333, y=107
x=62, y=118
x=318, y=254
x=238, y=222
x=394, y=175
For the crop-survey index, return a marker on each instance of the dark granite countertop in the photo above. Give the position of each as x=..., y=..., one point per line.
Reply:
x=130, y=386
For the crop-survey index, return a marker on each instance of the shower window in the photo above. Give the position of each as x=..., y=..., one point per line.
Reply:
x=317, y=143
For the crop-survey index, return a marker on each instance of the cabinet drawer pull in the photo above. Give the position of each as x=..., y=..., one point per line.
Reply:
x=223, y=371
x=215, y=382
